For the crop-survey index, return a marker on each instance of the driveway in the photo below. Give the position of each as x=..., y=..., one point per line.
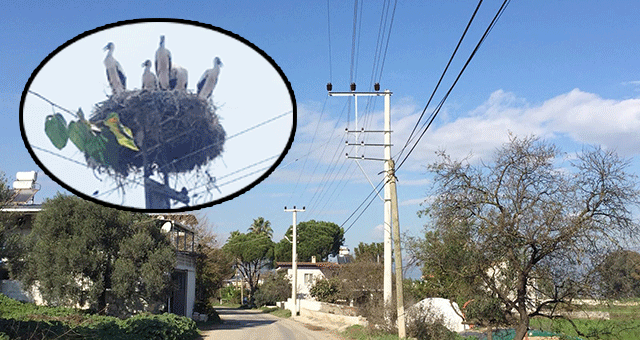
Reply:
x=255, y=325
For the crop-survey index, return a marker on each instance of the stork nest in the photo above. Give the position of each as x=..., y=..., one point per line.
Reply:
x=178, y=130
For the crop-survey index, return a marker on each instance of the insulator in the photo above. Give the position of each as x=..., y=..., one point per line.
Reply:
x=329, y=87
x=353, y=87
x=376, y=86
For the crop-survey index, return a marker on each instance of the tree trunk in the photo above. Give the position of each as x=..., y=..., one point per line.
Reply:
x=523, y=324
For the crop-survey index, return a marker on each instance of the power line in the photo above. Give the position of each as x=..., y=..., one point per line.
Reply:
x=475, y=50
x=464, y=33
x=489, y=28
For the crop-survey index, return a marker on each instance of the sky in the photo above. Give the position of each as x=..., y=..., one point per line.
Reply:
x=565, y=71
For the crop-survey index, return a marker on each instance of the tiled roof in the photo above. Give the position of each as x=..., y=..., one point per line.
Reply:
x=309, y=264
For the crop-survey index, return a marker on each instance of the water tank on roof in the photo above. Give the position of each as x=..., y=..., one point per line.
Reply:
x=27, y=176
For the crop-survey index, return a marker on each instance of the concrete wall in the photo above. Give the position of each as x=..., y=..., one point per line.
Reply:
x=187, y=262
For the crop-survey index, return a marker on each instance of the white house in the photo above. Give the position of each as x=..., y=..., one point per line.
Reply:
x=308, y=274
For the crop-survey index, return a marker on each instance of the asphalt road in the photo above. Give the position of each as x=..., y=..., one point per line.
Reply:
x=255, y=325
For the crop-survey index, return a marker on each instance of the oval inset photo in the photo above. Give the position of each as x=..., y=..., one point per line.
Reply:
x=158, y=115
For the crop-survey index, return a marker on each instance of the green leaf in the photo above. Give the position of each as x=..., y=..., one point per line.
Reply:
x=123, y=134
x=56, y=129
x=79, y=134
x=86, y=141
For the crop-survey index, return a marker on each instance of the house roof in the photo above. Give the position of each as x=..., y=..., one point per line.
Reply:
x=309, y=264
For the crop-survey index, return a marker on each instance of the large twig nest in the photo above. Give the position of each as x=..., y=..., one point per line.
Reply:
x=178, y=130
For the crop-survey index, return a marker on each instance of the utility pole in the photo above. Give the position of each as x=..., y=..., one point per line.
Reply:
x=294, y=263
x=397, y=249
x=387, y=289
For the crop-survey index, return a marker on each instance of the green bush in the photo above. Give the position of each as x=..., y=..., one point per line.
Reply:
x=230, y=294
x=27, y=321
x=326, y=290
x=275, y=287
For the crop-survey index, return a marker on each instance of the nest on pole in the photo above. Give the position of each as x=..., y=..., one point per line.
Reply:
x=178, y=131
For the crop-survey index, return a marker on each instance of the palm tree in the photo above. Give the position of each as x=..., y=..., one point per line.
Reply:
x=260, y=225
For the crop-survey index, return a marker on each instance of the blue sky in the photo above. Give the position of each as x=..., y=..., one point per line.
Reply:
x=566, y=71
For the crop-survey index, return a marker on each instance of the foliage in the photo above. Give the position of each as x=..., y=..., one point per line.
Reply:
x=534, y=230
x=315, y=238
x=260, y=225
x=279, y=312
x=251, y=253
x=326, y=290
x=275, y=287
x=140, y=271
x=20, y=320
x=9, y=247
x=78, y=250
x=425, y=326
x=620, y=274
x=213, y=265
x=372, y=252
x=230, y=294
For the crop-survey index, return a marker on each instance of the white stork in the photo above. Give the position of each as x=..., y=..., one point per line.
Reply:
x=115, y=73
x=163, y=64
x=178, y=77
x=149, y=80
x=209, y=79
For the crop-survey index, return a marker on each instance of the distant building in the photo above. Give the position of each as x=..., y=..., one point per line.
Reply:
x=308, y=274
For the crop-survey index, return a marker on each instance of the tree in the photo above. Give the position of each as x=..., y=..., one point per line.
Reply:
x=7, y=223
x=251, y=253
x=620, y=274
x=315, y=238
x=78, y=250
x=275, y=287
x=535, y=230
x=371, y=252
x=260, y=225
x=213, y=265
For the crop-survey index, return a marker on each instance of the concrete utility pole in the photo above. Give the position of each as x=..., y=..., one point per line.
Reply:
x=294, y=263
x=397, y=250
x=387, y=289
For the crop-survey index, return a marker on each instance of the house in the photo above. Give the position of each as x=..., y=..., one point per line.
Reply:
x=308, y=274
x=182, y=299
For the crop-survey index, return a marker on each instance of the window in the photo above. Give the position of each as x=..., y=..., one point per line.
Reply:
x=308, y=278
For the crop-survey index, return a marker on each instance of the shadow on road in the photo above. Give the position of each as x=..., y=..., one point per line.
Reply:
x=234, y=318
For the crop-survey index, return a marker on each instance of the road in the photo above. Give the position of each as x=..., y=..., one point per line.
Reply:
x=255, y=325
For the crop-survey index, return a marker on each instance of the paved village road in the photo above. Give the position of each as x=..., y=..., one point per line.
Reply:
x=255, y=325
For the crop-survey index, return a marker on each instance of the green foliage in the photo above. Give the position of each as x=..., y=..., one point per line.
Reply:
x=77, y=250
x=275, y=287
x=27, y=321
x=55, y=126
x=326, y=290
x=372, y=252
x=487, y=311
x=230, y=294
x=251, y=253
x=620, y=275
x=315, y=238
x=213, y=266
x=260, y=225
x=98, y=141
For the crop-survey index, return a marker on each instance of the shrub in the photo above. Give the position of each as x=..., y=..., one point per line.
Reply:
x=275, y=287
x=326, y=290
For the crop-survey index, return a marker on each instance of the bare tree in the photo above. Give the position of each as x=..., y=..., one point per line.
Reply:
x=535, y=230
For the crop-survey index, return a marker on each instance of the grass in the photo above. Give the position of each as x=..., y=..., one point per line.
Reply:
x=279, y=312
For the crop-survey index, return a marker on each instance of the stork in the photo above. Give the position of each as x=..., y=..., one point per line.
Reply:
x=178, y=77
x=209, y=79
x=149, y=80
x=115, y=73
x=163, y=64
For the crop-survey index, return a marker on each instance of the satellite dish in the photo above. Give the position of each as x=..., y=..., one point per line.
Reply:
x=166, y=227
